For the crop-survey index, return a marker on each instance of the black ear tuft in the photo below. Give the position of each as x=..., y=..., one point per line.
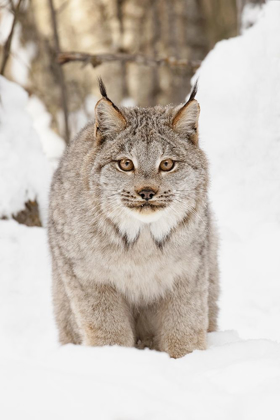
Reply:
x=193, y=92
x=102, y=88
x=104, y=93
x=109, y=120
x=185, y=121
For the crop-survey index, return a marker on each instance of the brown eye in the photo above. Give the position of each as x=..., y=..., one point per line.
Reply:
x=126, y=164
x=167, y=165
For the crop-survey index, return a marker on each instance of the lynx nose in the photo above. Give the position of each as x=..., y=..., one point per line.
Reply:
x=147, y=194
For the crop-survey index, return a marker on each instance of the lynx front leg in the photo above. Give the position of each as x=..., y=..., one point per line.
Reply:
x=104, y=318
x=213, y=308
x=102, y=315
x=182, y=320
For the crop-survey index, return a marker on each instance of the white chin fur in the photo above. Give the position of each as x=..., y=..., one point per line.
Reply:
x=146, y=217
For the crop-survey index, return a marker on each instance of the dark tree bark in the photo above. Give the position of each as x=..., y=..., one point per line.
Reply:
x=61, y=79
x=7, y=45
x=30, y=215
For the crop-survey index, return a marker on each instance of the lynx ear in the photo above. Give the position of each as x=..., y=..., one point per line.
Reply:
x=185, y=121
x=108, y=118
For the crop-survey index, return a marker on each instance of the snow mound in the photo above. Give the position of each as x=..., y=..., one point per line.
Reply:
x=250, y=15
x=239, y=94
x=53, y=145
x=24, y=171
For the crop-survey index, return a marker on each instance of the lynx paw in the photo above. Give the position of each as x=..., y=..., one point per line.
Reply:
x=179, y=344
x=98, y=338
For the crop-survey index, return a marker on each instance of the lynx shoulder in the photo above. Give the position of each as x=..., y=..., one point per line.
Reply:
x=133, y=245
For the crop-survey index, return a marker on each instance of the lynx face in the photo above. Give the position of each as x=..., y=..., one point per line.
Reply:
x=148, y=165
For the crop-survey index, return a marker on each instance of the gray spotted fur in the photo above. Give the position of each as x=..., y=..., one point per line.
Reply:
x=125, y=276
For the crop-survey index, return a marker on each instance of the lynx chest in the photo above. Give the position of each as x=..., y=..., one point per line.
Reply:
x=144, y=271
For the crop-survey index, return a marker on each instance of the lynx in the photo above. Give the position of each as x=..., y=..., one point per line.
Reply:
x=131, y=233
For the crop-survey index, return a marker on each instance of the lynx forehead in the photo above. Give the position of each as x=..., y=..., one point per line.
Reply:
x=131, y=233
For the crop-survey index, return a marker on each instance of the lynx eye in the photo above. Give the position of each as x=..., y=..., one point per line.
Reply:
x=126, y=165
x=167, y=165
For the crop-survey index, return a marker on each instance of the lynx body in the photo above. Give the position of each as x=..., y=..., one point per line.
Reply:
x=134, y=250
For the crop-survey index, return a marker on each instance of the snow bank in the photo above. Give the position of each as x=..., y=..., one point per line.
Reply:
x=24, y=171
x=250, y=15
x=232, y=381
x=239, y=94
x=53, y=145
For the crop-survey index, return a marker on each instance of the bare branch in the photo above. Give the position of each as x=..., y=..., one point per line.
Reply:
x=61, y=79
x=8, y=43
x=97, y=59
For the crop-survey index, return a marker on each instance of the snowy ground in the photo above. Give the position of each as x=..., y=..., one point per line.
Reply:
x=236, y=378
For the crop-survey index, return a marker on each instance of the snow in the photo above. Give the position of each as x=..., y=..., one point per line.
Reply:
x=53, y=145
x=238, y=376
x=250, y=15
x=24, y=170
x=239, y=94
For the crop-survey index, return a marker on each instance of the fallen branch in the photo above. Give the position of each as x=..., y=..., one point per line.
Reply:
x=97, y=59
